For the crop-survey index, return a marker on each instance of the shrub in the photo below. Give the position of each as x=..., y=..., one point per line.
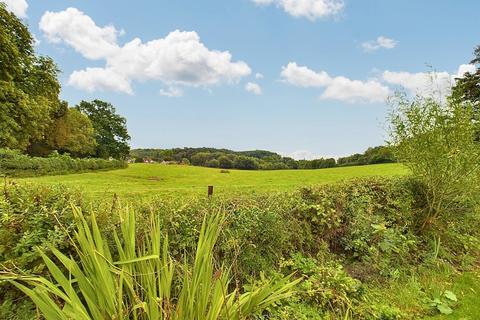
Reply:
x=436, y=141
x=31, y=217
x=370, y=220
x=325, y=284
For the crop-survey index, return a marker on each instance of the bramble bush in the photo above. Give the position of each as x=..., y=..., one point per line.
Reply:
x=369, y=221
x=15, y=164
x=31, y=217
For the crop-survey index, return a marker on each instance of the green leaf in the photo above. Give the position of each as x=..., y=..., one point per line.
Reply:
x=450, y=295
x=150, y=257
x=444, y=309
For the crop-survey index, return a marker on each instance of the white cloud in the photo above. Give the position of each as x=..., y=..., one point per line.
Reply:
x=304, y=77
x=310, y=9
x=80, y=32
x=100, y=79
x=172, y=92
x=179, y=59
x=258, y=76
x=303, y=155
x=436, y=84
x=353, y=91
x=380, y=42
x=336, y=88
x=18, y=7
x=263, y=2
x=464, y=68
x=253, y=88
x=427, y=83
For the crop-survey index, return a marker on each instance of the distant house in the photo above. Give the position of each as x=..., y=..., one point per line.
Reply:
x=148, y=160
x=169, y=162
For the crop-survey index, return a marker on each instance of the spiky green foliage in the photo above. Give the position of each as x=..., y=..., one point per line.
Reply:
x=139, y=284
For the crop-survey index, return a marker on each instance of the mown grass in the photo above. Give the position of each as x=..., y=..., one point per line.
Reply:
x=144, y=180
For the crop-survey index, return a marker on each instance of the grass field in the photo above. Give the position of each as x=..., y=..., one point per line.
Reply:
x=146, y=180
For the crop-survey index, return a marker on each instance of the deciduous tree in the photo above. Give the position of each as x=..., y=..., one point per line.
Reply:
x=111, y=133
x=28, y=86
x=72, y=133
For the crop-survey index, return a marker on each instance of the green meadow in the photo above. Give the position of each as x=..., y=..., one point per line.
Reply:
x=145, y=180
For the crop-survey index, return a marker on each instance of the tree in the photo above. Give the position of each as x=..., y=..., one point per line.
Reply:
x=201, y=158
x=225, y=162
x=290, y=163
x=111, y=133
x=467, y=88
x=212, y=163
x=245, y=163
x=72, y=133
x=436, y=142
x=29, y=87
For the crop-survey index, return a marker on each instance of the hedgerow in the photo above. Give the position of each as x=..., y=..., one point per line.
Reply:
x=15, y=164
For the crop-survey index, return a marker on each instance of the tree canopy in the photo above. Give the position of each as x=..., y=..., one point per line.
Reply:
x=111, y=133
x=33, y=119
x=467, y=88
x=73, y=133
x=29, y=87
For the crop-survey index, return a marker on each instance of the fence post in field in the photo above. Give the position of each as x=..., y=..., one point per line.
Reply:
x=210, y=191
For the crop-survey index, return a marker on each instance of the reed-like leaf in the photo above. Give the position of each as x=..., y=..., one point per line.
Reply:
x=139, y=284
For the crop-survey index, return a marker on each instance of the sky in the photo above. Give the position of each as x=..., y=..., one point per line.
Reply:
x=305, y=78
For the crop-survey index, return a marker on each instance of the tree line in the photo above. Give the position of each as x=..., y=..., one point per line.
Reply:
x=256, y=159
x=33, y=118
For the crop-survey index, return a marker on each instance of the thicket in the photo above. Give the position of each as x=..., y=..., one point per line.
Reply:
x=15, y=164
x=339, y=239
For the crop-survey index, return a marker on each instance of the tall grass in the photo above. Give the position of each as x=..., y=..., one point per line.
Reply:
x=141, y=284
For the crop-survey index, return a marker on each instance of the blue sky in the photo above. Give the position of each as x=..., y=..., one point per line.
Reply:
x=319, y=70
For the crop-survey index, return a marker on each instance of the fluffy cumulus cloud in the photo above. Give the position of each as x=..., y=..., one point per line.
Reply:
x=336, y=88
x=310, y=9
x=79, y=31
x=436, y=84
x=258, y=76
x=18, y=7
x=253, y=88
x=427, y=83
x=100, y=79
x=380, y=43
x=352, y=91
x=179, y=59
